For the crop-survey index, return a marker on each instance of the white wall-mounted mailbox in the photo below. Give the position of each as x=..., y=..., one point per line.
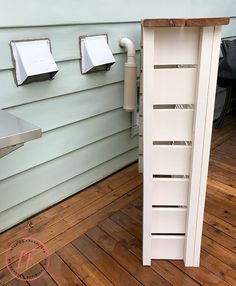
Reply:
x=33, y=61
x=95, y=54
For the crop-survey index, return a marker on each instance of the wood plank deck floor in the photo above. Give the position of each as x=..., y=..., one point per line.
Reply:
x=94, y=237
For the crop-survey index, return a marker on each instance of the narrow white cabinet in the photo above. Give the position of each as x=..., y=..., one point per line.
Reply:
x=178, y=83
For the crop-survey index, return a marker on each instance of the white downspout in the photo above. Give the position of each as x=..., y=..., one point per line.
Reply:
x=130, y=75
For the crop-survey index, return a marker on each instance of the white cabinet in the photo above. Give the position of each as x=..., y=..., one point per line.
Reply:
x=178, y=82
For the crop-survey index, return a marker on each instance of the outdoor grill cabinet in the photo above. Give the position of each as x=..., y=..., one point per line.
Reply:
x=178, y=83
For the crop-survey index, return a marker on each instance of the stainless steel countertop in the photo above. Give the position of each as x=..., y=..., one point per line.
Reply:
x=14, y=131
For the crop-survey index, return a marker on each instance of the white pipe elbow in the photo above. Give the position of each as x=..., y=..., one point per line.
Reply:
x=130, y=75
x=130, y=47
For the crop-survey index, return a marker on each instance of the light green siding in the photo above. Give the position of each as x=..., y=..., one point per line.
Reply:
x=57, y=12
x=86, y=133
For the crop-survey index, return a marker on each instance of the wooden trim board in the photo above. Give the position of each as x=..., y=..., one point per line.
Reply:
x=195, y=22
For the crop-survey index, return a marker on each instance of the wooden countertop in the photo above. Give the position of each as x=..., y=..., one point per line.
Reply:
x=191, y=22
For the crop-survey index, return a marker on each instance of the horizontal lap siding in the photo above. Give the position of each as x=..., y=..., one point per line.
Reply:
x=56, y=112
x=48, y=12
x=39, y=179
x=86, y=133
x=25, y=209
x=68, y=80
x=63, y=140
x=65, y=39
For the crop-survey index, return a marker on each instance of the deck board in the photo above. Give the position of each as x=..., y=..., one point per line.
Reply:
x=94, y=237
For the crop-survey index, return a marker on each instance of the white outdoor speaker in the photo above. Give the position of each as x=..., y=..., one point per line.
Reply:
x=33, y=61
x=95, y=54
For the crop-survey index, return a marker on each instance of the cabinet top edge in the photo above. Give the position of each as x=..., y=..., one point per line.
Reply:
x=181, y=22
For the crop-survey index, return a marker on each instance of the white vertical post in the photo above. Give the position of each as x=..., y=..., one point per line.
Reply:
x=207, y=140
x=202, y=127
x=148, y=68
